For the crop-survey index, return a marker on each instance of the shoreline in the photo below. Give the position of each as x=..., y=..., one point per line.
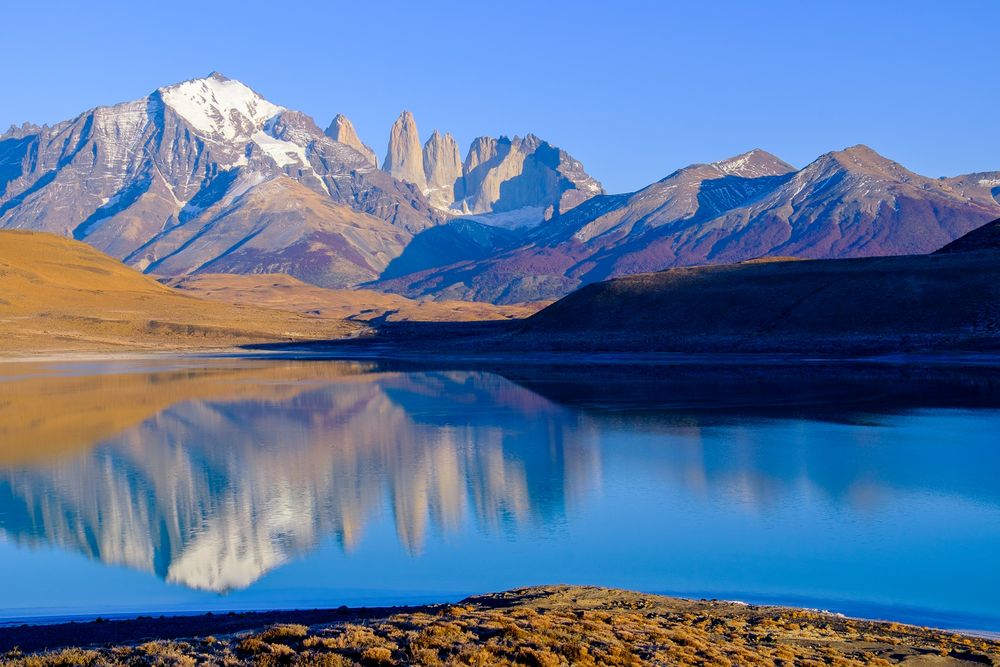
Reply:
x=655, y=624
x=320, y=351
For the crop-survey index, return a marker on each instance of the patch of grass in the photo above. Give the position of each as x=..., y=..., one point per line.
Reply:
x=554, y=627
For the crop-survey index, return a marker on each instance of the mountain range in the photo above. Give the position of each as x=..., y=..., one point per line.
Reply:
x=207, y=176
x=850, y=203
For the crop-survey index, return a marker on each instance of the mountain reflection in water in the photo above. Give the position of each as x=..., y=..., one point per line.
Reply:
x=262, y=462
x=778, y=480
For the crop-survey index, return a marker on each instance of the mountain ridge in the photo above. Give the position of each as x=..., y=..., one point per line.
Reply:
x=850, y=203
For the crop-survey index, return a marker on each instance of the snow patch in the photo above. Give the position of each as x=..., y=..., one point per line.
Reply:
x=282, y=152
x=521, y=218
x=218, y=106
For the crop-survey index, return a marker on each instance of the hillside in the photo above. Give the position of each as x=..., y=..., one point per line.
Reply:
x=287, y=293
x=948, y=300
x=57, y=294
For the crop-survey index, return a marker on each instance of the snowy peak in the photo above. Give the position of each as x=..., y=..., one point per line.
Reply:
x=217, y=106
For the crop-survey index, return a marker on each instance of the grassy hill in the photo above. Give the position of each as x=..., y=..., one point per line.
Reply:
x=62, y=295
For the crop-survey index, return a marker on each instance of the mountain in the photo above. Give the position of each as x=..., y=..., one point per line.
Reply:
x=145, y=180
x=61, y=294
x=948, y=300
x=282, y=226
x=405, y=159
x=850, y=203
x=342, y=131
x=442, y=168
x=498, y=175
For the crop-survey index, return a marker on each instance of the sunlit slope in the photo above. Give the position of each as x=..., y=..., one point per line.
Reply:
x=59, y=294
x=288, y=293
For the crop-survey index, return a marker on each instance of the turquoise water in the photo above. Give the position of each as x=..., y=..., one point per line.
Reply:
x=183, y=485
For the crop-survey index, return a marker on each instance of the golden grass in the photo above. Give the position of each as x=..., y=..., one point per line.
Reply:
x=562, y=626
x=57, y=294
x=288, y=293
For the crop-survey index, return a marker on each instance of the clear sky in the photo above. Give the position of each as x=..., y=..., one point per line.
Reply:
x=633, y=89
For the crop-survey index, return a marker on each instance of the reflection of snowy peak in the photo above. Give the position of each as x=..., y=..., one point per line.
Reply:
x=214, y=494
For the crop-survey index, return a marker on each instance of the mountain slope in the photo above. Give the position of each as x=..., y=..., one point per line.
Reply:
x=945, y=301
x=286, y=293
x=136, y=178
x=60, y=294
x=851, y=203
x=281, y=226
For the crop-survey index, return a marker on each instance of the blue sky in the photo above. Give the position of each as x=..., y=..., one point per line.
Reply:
x=633, y=89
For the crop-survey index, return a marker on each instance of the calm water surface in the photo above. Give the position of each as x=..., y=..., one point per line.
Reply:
x=176, y=485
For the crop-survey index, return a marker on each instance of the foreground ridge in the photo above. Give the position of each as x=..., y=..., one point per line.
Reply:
x=547, y=625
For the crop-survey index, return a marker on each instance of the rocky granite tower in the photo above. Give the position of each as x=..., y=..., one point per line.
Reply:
x=342, y=130
x=442, y=168
x=405, y=159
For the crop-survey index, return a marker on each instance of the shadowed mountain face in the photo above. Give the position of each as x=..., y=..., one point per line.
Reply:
x=946, y=301
x=852, y=203
x=208, y=173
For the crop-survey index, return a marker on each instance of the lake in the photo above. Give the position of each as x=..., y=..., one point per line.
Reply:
x=173, y=485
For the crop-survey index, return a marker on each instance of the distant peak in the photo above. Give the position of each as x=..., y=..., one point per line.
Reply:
x=859, y=152
x=753, y=164
x=860, y=156
x=211, y=104
x=218, y=76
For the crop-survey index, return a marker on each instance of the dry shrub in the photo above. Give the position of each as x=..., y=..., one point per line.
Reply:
x=284, y=632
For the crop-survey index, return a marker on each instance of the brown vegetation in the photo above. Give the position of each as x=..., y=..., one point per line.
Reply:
x=554, y=626
x=288, y=293
x=62, y=295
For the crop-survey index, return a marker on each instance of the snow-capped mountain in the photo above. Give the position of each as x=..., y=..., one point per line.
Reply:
x=201, y=171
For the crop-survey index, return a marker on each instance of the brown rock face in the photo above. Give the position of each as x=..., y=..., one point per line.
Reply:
x=442, y=169
x=342, y=130
x=405, y=159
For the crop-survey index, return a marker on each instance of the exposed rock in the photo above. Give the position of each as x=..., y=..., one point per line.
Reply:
x=504, y=175
x=497, y=175
x=404, y=158
x=342, y=130
x=442, y=169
